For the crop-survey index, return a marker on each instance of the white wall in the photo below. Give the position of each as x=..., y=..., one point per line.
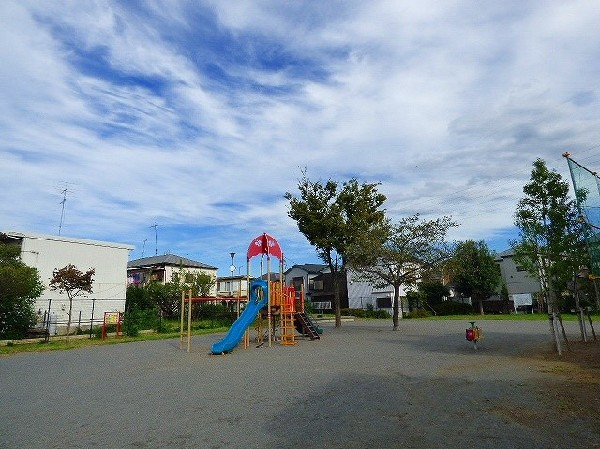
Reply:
x=361, y=293
x=47, y=253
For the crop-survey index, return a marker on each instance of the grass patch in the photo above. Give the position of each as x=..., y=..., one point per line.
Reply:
x=60, y=344
x=508, y=317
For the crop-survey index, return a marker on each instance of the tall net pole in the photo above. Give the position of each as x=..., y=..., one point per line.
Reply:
x=587, y=194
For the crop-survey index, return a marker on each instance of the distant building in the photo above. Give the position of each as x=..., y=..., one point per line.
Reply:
x=50, y=252
x=361, y=295
x=302, y=278
x=161, y=269
x=522, y=288
x=232, y=286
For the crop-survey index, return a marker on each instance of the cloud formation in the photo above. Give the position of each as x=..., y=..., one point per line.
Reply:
x=198, y=116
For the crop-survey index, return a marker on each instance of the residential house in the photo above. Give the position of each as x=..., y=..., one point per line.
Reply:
x=50, y=252
x=302, y=278
x=232, y=286
x=361, y=295
x=522, y=287
x=162, y=268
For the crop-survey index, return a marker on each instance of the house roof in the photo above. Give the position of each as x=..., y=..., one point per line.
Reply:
x=506, y=253
x=167, y=259
x=272, y=276
x=17, y=235
x=311, y=268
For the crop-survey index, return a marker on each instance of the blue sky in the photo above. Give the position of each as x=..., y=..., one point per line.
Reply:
x=199, y=115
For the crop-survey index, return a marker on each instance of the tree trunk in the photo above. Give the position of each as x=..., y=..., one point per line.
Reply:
x=336, y=299
x=69, y=320
x=396, y=308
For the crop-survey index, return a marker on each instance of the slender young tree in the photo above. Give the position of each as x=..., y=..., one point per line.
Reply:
x=551, y=244
x=74, y=283
x=412, y=248
x=335, y=219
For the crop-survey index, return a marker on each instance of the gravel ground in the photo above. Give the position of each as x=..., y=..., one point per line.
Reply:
x=361, y=386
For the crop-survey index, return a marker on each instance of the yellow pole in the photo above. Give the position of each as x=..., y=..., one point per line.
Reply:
x=269, y=317
x=181, y=325
x=189, y=333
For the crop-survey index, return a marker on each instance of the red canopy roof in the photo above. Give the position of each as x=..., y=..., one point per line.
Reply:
x=264, y=244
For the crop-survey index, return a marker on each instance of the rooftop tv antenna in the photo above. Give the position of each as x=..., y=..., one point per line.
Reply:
x=62, y=214
x=155, y=226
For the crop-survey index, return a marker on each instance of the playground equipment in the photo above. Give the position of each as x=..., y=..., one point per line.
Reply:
x=115, y=318
x=188, y=300
x=282, y=306
x=474, y=334
x=258, y=299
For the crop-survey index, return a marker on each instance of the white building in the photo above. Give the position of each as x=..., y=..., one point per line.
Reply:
x=361, y=294
x=49, y=252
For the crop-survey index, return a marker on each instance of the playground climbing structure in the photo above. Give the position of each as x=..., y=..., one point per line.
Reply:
x=281, y=306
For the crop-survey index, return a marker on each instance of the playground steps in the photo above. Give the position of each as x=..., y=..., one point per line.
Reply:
x=307, y=326
x=288, y=331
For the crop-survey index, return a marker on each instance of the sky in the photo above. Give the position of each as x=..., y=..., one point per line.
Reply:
x=198, y=116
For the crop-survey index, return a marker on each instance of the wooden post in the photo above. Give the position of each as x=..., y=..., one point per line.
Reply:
x=181, y=325
x=189, y=329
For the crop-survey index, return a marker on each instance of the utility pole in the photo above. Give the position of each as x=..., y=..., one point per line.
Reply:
x=155, y=226
x=62, y=214
x=144, y=247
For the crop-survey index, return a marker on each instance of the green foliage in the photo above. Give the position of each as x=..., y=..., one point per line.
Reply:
x=137, y=298
x=551, y=244
x=369, y=312
x=453, y=308
x=433, y=292
x=338, y=220
x=475, y=272
x=418, y=313
x=415, y=299
x=167, y=297
x=200, y=284
x=308, y=307
x=135, y=320
x=411, y=249
x=20, y=285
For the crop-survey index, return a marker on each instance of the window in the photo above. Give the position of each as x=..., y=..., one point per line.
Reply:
x=322, y=305
x=317, y=285
x=384, y=303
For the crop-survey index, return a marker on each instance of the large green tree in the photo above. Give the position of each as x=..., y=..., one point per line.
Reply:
x=74, y=283
x=474, y=271
x=412, y=248
x=20, y=285
x=551, y=244
x=336, y=219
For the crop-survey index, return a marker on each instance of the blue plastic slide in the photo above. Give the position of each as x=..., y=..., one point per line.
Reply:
x=258, y=299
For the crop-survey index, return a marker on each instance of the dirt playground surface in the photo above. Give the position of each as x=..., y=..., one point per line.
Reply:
x=361, y=386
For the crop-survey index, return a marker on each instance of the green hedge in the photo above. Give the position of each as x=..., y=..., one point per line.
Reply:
x=453, y=308
x=366, y=313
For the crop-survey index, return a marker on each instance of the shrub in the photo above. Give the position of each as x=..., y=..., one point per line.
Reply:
x=368, y=313
x=453, y=308
x=418, y=313
x=136, y=320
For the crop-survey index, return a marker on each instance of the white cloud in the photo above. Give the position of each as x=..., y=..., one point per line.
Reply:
x=199, y=116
